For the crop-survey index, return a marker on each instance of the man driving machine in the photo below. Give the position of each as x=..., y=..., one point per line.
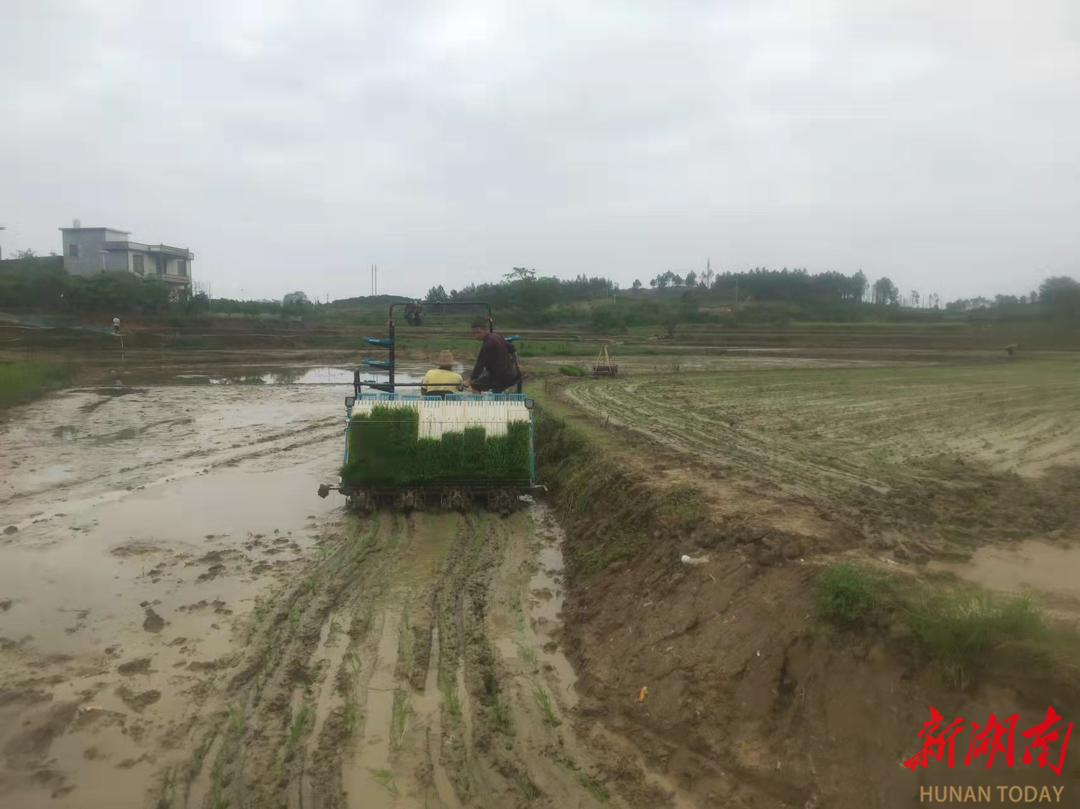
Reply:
x=496, y=363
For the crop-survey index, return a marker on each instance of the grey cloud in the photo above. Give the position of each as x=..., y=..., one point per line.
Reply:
x=294, y=143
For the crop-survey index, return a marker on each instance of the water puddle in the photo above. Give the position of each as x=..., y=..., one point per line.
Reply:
x=203, y=783
x=428, y=707
x=1030, y=565
x=370, y=783
x=320, y=375
x=333, y=644
x=429, y=538
x=530, y=634
x=465, y=701
x=546, y=597
x=147, y=547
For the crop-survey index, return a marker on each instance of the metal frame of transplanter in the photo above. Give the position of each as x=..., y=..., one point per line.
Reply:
x=438, y=415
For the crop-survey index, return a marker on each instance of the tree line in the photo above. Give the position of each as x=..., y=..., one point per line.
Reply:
x=797, y=285
x=43, y=284
x=523, y=296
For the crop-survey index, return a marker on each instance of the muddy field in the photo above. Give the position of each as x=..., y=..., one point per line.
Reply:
x=184, y=624
x=965, y=452
x=938, y=475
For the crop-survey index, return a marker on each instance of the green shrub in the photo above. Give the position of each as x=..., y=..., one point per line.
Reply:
x=572, y=370
x=847, y=593
x=959, y=630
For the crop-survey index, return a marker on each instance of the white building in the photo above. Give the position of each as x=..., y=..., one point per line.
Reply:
x=88, y=251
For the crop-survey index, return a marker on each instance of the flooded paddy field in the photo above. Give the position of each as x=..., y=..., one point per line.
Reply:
x=184, y=623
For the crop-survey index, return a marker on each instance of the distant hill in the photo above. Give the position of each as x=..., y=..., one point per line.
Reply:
x=368, y=301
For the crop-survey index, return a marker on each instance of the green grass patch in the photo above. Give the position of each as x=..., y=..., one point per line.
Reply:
x=452, y=702
x=399, y=721
x=500, y=716
x=221, y=772
x=960, y=630
x=385, y=779
x=301, y=721
x=528, y=655
x=596, y=789
x=684, y=503
x=572, y=370
x=847, y=593
x=617, y=544
x=544, y=701
x=25, y=380
x=385, y=449
x=352, y=716
x=526, y=787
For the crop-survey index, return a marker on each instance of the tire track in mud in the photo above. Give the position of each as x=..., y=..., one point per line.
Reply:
x=414, y=664
x=273, y=443
x=798, y=431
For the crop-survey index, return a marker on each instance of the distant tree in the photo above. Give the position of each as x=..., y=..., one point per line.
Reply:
x=860, y=287
x=671, y=319
x=1023, y=299
x=885, y=292
x=915, y=298
x=437, y=295
x=520, y=274
x=27, y=253
x=654, y=281
x=691, y=279
x=707, y=277
x=1061, y=297
x=294, y=298
x=637, y=285
x=676, y=280
x=1033, y=296
x=662, y=280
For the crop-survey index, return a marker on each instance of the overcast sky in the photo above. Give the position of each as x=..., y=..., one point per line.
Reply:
x=291, y=143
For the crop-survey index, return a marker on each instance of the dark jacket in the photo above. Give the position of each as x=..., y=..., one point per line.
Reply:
x=496, y=358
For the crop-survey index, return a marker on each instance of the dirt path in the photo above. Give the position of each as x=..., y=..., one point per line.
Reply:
x=184, y=624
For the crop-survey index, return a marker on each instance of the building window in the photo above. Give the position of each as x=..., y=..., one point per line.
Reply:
x=181, y=267
x=73, y=250
x=138, y=263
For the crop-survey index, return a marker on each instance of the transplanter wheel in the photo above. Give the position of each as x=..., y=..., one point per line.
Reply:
x=454, y=499
x=361, y=501
x=501, y=501
x=409, y=499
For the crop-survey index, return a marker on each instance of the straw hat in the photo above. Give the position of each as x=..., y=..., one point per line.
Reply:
x=445, y=358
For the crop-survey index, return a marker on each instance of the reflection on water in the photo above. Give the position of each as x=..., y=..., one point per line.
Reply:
x=322, y=375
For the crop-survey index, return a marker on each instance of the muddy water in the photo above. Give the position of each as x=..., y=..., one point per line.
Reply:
x=320, y=375
x=532, y=635
x=186, y=625
x=1030, y=565
x=146, y=519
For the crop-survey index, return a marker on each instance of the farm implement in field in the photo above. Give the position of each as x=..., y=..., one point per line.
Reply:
x=444, y=449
